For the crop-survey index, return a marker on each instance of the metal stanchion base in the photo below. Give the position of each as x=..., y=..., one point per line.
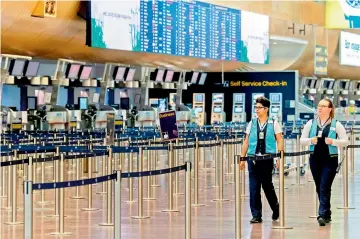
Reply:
x=310, y=181
x=313, y=216
x=140, y=217
x=129, y=201
x=214, y=186
x=77, y=197
x=53, y=216
x=1, y=197
x=106, y=224
x=279, y=227
x=245, y=196
x=345, y=208
x=149, y=199
x=298, y=184
x=101, y=193
x=221, y=200
x=180, y=194
x=229, y=174
x=89, y=209
x=198, y=205
x=44, y=202
x=155, y=185
x=61, y=234
x=13, y=223
x=170, y=210
x=6, y=208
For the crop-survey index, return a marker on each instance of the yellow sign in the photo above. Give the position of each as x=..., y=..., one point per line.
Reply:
x=258, y=83
x=342, y=14
x=73, y=124
x=118, y=122
x=163, y=115
x=16, y=126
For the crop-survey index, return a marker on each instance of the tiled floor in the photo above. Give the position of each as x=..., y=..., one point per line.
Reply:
x=215, y=220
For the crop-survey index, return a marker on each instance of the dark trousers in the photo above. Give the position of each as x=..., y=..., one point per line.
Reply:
x=260, y=174
x=323, y=170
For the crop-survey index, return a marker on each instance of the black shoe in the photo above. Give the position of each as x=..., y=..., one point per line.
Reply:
x=328, y=220
x=275, y=215
x=256, y=220
x=321, y=221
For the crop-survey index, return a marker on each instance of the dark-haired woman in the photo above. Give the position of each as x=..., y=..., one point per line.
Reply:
x=324, y=135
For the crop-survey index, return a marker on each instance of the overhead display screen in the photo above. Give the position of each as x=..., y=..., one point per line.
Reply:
x=183, y=28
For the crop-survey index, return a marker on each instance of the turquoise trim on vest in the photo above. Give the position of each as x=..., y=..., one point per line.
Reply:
x=332, y=135
x=270, y=140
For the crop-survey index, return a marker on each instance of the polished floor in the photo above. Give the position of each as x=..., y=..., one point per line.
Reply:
x=215, y=220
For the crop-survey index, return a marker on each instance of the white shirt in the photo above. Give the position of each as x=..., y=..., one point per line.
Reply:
x=342, y=141
x=277, y=127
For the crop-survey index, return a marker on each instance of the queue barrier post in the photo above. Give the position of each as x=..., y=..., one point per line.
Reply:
x=346, y=179
x=282, y=195
x=238, y=190
x=28, y=210
x=196, y=175
x=117, y=206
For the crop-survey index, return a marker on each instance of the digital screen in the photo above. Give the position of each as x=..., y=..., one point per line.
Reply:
x=124, y=103
x=275, y=109
x=85, y=72
x=347, y=85
x=32, y=68
x=255, y=96
x=331, y=85
x=357, y=103
x=17, y=67
x=199, y=109
x=194, y=77
x=326, y=84
x=199, y=98
x=119, y=73
x=72, y=71
x=83, y=103
x=217, y=109
x=31, y=103
x=275, y=98
x=130, y=74
x=182, y=28
x=313, y=83
x=154, y=103
x=160, y=75
x=218, y=98
x=169, y=76
x=238, y=98
x=202, y=78
x=238, y=109
x=343, y=103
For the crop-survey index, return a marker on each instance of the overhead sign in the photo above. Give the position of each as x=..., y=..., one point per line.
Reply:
x=254, y=40
x=168, y=127
x=342, y=14
x=349, y=49
x=244, y=83
x=321, y=60
x=182, y=28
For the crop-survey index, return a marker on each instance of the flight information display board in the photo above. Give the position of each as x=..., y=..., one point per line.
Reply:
x=183, y=28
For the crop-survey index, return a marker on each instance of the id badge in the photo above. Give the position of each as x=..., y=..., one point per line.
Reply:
x=261, y=135
x=320, y=133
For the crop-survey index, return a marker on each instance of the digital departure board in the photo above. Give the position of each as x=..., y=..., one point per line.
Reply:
x=183, y=28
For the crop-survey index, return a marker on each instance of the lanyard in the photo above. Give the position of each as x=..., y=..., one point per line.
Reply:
x=322, y=126
x=262, y=126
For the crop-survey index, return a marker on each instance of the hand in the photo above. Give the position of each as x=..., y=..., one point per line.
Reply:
x=242, y=165
x=314, y=140
x=277, y=164
x=328, y=141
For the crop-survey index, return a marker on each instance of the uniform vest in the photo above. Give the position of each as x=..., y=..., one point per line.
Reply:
x=270, y=140
x=332, y=135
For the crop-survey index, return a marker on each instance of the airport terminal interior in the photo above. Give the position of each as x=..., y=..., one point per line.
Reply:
x=131, y=119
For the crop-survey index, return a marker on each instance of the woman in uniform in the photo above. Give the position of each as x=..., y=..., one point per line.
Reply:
x=324, y=135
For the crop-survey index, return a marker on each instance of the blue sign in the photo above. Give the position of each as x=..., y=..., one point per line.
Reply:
x=168, y=127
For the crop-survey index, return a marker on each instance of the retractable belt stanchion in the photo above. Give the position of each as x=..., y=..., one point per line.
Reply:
x=56, y=177
x=217, y=150
x=170, y=181
x=62, y=202
x=117, y=206
x=345, y=179
x=188, y=200
x=220, y=197
x=14, y=193
x=298, y=158
x=238, y=190
x=282, y=195
x=131, y=181
x=140, y=188
x=9, y=187
x=109, y=185
x=28, y=210
x=90, y=187
x=3, y=180
x=352, y=142
x=43, y=201
x=149, y=190
x=103, y=166
x=196, y=175
x=316, y=204
x=77, y=175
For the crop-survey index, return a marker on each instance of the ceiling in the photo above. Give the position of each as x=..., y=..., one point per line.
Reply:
x=65, y=36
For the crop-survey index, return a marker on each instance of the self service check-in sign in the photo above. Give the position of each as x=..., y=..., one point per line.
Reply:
x=258, y=83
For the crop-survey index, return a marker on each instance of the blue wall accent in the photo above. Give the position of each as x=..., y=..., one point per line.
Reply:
x=62, y=97
x=11, y=96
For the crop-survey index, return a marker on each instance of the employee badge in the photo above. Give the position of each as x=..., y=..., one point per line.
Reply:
x=320, y=133
x=261, y=135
